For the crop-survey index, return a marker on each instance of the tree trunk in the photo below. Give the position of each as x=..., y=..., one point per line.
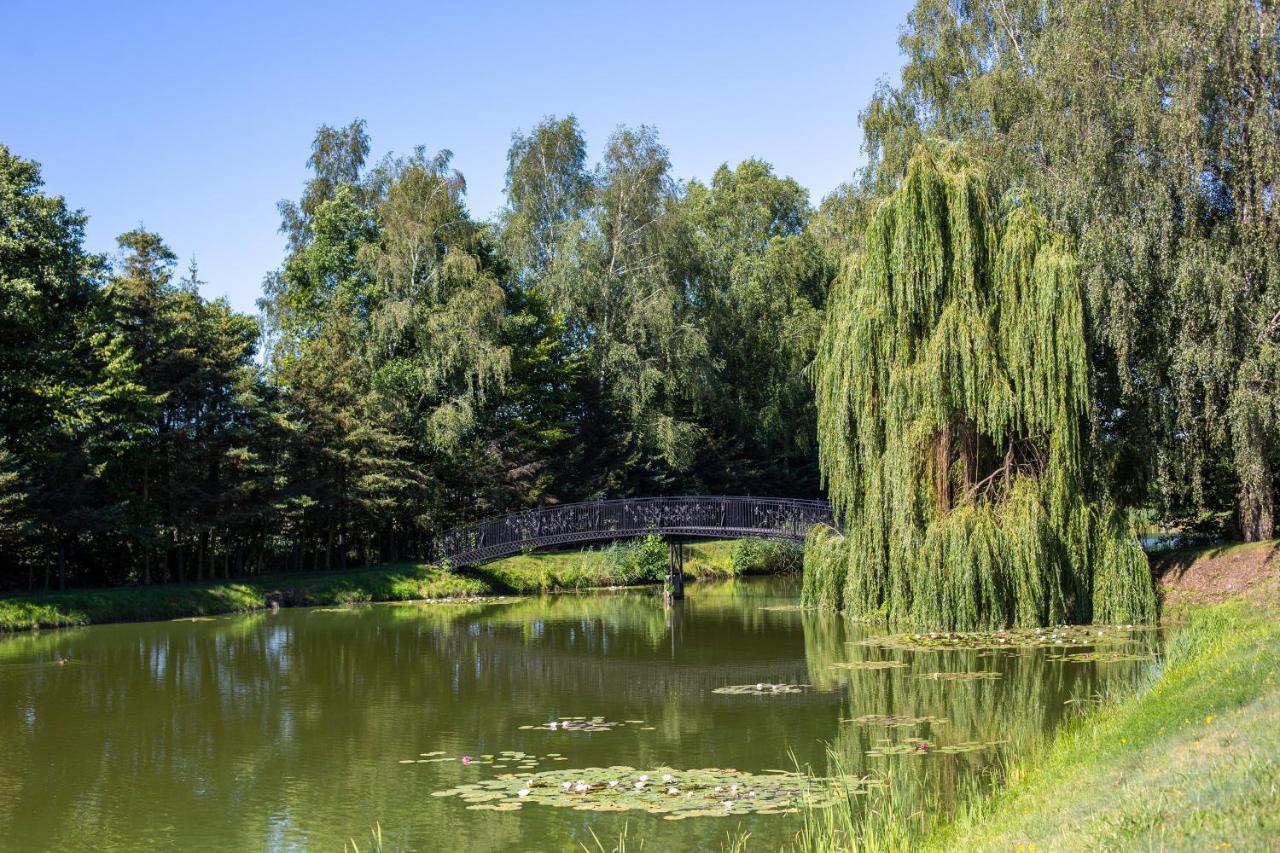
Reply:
x=942, y=468
x=1256, y=509
x=1255, y=502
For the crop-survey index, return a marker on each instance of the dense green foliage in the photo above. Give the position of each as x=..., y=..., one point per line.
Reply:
x=614, y=333
x=1149, y=135
x=765, y=556
x=638, y=561
x=952, y=387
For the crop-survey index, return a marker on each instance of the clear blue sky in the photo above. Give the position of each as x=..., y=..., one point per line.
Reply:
x=195, y=118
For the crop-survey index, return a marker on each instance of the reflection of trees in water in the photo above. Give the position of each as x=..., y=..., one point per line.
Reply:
x=824, y=646
x=298, y=719
x=1033, y=695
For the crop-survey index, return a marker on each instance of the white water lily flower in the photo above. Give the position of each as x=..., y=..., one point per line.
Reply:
x=728, y=804
x=639, y=785
x=673, y=790
x=760, y=685
x=667, y=777
x=613, y=783
x=644, y=777
x=567, y=785
x=523, y=792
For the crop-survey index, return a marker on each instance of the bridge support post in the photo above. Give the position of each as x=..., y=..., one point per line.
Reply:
x=673, y=589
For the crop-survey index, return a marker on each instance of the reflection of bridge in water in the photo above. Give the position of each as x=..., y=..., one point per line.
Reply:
x=711, y=517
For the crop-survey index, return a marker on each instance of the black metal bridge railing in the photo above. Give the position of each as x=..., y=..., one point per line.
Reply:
x=716, y=517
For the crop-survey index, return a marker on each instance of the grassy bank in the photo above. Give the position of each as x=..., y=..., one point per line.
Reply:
x=401, y=582
x=1191, y=762
x=624, y=564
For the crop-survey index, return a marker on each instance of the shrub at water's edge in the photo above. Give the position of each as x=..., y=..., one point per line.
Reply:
x=755, y=556
x=638, y=561
x=952, y=392
x=401, y=582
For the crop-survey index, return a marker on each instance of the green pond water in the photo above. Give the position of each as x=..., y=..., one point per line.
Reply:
x=302, y=729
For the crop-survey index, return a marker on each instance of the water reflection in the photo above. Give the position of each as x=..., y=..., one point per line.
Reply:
x=286, y=731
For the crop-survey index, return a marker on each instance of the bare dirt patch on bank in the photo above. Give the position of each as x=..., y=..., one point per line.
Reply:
x=1212, y=575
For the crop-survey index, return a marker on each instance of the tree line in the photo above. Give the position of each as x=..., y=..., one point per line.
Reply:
x=1149, y=134
x=1059, y=290
x=618, y=331
x=613, y=332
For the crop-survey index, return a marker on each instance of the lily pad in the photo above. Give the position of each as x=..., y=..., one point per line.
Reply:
x=894, y=720
x=924, y=747
x=760, y=689
x=578, y=724
x=674, y=794
x=977, y=675
x=1062, y=636
x=871, y=664
x=1101, y=657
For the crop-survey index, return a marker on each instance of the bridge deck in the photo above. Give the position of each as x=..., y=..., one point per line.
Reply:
x=715, y=516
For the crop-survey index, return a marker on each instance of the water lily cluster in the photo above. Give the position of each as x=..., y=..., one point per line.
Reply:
x=674, y=794
x=499, y=761
x=1011, y=638
x=760, y=688
x=585, y=724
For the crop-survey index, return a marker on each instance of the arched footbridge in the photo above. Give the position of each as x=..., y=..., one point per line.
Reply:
x=564, y=524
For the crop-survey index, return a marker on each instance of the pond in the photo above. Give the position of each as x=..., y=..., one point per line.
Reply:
x=302, y=729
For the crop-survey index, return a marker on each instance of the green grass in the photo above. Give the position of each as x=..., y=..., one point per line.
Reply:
x=401, y=582
x=1189, y=762
x=1192, y=762
x=521, y=574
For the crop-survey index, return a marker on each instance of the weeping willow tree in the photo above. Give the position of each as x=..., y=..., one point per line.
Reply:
x=952, y=390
